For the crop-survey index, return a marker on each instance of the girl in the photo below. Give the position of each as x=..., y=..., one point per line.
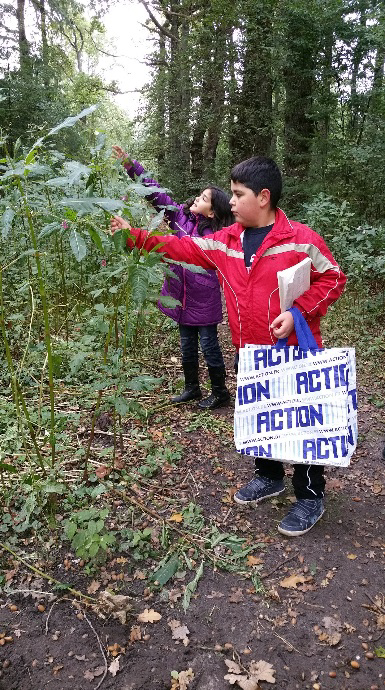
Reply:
x=199, y=294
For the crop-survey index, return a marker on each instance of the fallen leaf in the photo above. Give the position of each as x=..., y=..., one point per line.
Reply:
x=232, y=666
x=233, y=679
x=116, y=605
x=252, y=560
x=248, y=683
x=135, y=633
x=185, y=678
x=102, y=471
x=349, y=628
x=149, y=616
x=139, y=575
x=214, y=595
x=114, y=666
x=292, y=581
x=329, y=576
x=351, y=556
x=243, y=682
x=179, y=632
x=237, y=596
x=332, y=635
x=262, y=670
x=381, y=622
x=89, y=675
x=98, y=671
x=93, y=587
x=176, y=517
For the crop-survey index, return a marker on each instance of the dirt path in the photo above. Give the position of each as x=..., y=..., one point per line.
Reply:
x=319, y=604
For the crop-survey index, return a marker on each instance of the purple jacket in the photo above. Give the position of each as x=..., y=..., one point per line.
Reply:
x=199, y=293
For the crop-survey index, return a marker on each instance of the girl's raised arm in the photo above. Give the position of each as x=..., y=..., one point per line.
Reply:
x=158, y=199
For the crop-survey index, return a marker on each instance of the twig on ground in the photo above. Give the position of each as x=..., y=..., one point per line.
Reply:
x=287, y=642
x=44, y=575
x=101, y=649
x=281, y=565
x=50, y=611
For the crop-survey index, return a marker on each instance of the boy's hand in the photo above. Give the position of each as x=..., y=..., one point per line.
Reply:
x=117, y=223
x=283, y=325
x=120, y=154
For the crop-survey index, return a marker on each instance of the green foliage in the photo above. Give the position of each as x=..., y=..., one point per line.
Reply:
x=89, y=535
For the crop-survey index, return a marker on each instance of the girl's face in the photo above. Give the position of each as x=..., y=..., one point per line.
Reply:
x=202, y=204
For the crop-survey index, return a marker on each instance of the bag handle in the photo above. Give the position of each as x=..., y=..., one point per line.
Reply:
x=305, y=337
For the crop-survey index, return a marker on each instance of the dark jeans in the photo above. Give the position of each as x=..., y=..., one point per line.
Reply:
x=308, y=480
x=208, y=336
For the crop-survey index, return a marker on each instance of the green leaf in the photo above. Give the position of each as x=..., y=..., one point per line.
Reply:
x=168, y=301
x=191, y=587
x=119, y=239
x=95, y=237
x=167, y=571
x=89, y=204
x=47, y=230
x=68, y=122
x=143, y=383
x=121, y=406
x=70, y=530
x=188, y=267
x=78, y=245
x=8, y=468
x=6, y=222
x=156, y=220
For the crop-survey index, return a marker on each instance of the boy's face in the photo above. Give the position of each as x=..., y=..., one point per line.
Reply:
x=248, y=208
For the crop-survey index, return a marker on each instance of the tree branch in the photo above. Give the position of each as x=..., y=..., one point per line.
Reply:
x=157, y=24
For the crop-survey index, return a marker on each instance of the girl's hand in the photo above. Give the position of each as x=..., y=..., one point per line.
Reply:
x=283, y=325
x=118, y=223
x=120, y=154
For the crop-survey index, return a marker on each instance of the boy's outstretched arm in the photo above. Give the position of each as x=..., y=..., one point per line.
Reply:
x=188, y=249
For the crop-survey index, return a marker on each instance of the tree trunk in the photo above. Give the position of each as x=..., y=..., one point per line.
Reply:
x=299, y=81
x=253, y=125
x=24, y=48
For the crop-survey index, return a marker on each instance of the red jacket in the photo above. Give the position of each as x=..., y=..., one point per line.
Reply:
x=252, y=298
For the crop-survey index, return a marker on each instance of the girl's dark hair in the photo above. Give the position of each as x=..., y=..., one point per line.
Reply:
x=220, y=204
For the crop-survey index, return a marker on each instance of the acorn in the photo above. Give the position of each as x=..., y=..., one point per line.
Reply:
x=332, y=674
x=355, y=664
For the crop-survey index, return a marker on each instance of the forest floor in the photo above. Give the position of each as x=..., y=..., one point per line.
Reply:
x=310, y=615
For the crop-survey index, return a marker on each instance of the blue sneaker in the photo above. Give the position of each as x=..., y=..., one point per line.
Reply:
x=259, y=489
x=301, y=517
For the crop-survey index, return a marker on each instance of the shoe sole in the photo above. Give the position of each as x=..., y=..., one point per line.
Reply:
x=254, y=503
x=299, y=534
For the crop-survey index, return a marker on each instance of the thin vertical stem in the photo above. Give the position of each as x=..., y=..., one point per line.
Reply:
x=47, y=333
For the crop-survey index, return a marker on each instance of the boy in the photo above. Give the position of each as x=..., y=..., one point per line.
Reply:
x=247, y=256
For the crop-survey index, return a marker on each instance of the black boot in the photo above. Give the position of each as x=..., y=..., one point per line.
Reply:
x=191, y=384
x=220, y=396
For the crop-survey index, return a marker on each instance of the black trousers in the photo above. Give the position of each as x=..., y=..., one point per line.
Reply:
x=308, y=480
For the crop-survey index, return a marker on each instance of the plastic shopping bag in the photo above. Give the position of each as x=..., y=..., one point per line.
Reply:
x=297, y=403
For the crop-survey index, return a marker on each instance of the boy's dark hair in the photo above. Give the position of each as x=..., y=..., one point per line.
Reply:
x=220, y=205
x=259, y=173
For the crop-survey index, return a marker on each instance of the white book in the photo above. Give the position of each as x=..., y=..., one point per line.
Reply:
x=293, y=282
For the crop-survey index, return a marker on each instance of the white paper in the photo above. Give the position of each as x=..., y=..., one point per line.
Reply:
x=293, y=282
